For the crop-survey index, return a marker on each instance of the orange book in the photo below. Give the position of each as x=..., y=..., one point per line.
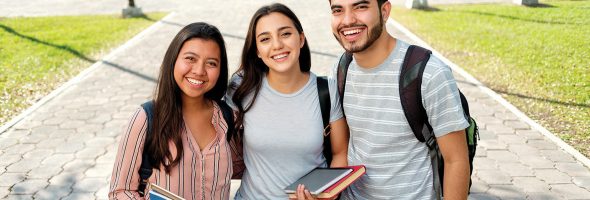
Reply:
x=335, y=189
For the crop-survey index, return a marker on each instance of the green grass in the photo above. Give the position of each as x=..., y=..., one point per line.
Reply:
x=538, y=58
x=37, y=54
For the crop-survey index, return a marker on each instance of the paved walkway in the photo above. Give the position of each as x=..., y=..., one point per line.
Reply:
x=65, y=149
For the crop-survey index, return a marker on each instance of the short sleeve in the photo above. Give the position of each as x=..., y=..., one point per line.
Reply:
x=440, y=96
x=335, y=102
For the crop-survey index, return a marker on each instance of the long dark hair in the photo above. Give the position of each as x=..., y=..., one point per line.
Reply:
x=252, y=68
x=168, y=121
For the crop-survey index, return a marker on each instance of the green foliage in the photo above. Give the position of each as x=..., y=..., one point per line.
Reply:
x=536, y=57
x=37, y=54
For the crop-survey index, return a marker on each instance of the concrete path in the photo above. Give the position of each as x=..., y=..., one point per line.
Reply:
x=66, y=148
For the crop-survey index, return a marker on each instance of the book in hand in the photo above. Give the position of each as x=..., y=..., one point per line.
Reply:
x=327, y=183
x=158, y=193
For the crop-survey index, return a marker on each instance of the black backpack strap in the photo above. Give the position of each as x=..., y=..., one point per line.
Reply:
x=410, y=94
x=410, y=83
x=343, y=63
x=324, y=97
x=228, y=116
x=145, y=170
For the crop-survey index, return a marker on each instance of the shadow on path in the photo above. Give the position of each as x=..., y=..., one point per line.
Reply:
x=542, y=99
x=76, y=53
x=528, y=97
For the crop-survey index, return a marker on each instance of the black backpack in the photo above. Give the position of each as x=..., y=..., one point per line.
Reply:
x=145, y=170
x=411, y=99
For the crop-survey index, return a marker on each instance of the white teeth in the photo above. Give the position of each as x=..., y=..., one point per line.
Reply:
x=350, y=32
x=194, y=81
x=280, y=56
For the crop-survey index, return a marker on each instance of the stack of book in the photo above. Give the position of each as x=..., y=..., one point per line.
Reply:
x=158, y=193
x=327, y=183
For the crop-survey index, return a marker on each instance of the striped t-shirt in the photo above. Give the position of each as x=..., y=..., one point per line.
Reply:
x=398, y=166
x=200, y=174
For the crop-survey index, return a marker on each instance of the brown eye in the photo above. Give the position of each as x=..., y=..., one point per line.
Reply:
x=212, y=64
x=286, y=34
x=362, y=6
x=336, y=11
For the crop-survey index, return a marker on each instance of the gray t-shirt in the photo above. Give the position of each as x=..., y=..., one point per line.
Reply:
x=398, y=166
x=283, y=138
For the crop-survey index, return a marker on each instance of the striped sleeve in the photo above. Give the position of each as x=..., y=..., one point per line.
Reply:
x=441, y=100
x=125, y=177
x=335, y=101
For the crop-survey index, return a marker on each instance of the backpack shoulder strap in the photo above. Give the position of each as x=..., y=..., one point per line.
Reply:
x=145, y=169
x=343, y=63
x=410, y=82
x=228, y=116
x=324, y=98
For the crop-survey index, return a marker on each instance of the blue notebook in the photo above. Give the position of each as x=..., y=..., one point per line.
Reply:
x=158, y=193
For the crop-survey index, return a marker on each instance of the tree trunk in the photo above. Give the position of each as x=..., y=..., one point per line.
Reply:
x=131, y=3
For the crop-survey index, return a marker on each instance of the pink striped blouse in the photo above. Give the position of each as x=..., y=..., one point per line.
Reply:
x=199, y=175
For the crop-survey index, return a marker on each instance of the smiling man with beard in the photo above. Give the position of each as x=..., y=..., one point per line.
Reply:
x=398, y=165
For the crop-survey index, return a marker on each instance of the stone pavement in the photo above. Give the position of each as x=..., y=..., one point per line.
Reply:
x=66, y=148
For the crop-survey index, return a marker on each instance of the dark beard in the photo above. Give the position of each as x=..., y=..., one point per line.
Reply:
x=374, y=34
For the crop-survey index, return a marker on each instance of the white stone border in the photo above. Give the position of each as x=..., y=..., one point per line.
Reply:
x=566, y=147
x=82, y=75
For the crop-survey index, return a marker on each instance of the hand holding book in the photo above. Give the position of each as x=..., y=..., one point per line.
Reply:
x=324, y=183
x=304, y=194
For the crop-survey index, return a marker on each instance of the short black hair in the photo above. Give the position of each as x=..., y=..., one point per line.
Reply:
x=379, y=2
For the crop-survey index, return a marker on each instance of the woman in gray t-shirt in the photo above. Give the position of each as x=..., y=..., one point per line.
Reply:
x=276, y=97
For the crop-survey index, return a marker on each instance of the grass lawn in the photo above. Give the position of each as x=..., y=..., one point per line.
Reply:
x=538, y=58
x=37, y=54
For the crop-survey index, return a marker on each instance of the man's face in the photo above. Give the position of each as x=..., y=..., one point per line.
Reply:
x=356, y=24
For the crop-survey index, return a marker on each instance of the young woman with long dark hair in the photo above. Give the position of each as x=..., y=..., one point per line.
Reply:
x=276, y=97
x=191, y=155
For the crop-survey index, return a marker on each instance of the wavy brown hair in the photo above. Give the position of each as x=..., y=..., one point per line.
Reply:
x=168, y=122
x=252, y=68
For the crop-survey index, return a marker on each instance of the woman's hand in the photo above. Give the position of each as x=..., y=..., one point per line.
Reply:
x=303, y=194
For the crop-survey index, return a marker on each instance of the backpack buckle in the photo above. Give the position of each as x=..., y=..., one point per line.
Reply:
x=431, y=142
x=327, y=130
x=142, y=186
